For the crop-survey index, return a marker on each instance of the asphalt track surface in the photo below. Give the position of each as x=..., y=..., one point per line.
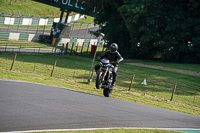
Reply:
x=28, y=106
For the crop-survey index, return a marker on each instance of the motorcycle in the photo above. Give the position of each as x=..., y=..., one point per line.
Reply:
x=105, y=77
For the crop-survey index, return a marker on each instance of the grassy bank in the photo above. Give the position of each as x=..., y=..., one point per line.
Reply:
x=72, y=72
x=29, y=7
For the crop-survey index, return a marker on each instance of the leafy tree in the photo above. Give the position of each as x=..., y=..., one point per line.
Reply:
x=143, y=28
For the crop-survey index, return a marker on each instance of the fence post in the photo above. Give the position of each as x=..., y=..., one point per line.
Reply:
x=173, y=93
x=20, y=47
x=82, y=48
x=72, y=47
x=28, y=24
x=53, y=68
x=77, y=47
x=9, y=21
x=88, y=47
x=13, y=62
x=6, y=47
x=65, y=52
x=62, y=49
x=131, y=82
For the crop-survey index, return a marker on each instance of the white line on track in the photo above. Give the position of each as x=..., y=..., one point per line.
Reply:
x=84, y=129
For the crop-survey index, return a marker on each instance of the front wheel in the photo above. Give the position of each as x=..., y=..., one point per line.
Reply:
x=107, y=92
x=98, y=80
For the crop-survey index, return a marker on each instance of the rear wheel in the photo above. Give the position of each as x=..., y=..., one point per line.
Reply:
x=107, y=92
x=98, y=80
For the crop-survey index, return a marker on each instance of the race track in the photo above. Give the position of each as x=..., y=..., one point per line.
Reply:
x=28, y=106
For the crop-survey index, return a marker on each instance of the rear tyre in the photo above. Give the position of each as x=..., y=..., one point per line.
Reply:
x=107, y=92
x=98, y=80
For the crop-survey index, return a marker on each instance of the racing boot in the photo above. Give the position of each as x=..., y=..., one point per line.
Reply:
x=114, y=79
x=114, y=82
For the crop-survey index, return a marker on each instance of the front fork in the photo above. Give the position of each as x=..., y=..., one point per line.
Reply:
x=103, y=77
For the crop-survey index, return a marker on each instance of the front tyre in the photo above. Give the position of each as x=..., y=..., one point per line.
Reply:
x=98, y=80
x=107, y=92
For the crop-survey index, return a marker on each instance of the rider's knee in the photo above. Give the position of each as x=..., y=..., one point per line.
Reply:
x=97, y=67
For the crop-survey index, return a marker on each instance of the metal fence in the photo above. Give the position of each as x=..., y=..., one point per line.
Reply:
x=32, y=24
x=64, y=49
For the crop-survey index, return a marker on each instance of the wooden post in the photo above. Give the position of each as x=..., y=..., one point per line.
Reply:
x=131, y=82
x=53, y=68
x=173, y=93
x=13, y=62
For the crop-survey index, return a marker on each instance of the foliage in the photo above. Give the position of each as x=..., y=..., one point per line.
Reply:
x=145, y=28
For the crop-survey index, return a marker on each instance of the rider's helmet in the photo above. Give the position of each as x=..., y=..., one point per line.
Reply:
x=113, y=48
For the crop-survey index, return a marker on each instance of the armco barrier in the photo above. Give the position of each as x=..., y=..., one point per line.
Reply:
x=58, y=41
x=23, y=37
x=4, y=35
x=37, y=21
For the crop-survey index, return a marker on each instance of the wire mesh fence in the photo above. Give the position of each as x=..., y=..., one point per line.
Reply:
x=162, y=87
x=68, y=48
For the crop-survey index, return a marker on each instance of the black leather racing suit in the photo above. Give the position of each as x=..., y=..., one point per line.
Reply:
x=114, y=58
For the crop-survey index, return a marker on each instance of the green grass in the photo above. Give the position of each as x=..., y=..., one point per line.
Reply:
x=118, y=131
x=183, y=66
x=72, y=72
x=26, y=26
x=36, y=8
x=26, y=44
x=30, y=7
x=85, y=21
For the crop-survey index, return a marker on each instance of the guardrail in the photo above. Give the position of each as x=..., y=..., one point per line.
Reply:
x=18, y=19
x=30, y=24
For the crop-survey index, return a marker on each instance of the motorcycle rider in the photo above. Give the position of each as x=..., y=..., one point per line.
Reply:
x=114, y=57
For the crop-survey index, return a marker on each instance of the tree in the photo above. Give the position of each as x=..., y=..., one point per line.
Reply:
x=143, y=28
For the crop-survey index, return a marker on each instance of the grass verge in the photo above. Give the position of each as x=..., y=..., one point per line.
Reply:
x=29, y=7
x=118, y=131
x=72, y=72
